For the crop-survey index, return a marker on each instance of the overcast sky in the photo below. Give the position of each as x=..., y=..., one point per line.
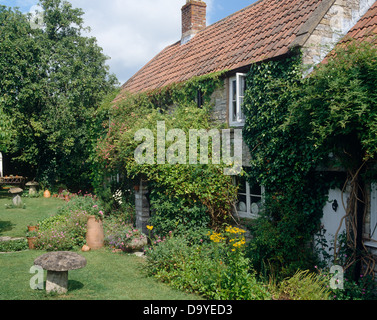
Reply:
x=132, y=32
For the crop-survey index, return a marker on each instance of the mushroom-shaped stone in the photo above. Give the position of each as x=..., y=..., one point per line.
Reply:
x=57, y=265
x=33, y=187
x=16, y=196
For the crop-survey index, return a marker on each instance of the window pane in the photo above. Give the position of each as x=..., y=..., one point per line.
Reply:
x=256, y=190
x=242, y=185
x=234, y=111
x=234, y=90
x=241, y=205
x=241, y=115
x=255, y=207
x=242, y=86
x=255, y=199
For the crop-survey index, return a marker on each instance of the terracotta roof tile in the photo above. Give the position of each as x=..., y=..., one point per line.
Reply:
x=265, y=29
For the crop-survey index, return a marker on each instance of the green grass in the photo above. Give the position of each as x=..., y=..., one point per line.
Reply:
x=107, y=276
x=13, y=222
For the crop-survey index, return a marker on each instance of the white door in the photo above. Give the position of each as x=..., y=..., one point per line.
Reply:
x=333, y=212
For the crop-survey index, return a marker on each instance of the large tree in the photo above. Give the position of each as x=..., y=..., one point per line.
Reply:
x=53, y=81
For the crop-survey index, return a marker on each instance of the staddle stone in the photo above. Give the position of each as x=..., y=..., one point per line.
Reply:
x=57, y=265
x=57, y=281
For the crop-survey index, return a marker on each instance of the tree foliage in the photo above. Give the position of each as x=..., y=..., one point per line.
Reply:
x=54, y=79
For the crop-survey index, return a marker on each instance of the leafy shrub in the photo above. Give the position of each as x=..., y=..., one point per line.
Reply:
x=86, y=202
x=67, y=229
x=52, y=222
x=362, y=289
x=56, y=239
x=176, y=214
x=217, y=269
x=63, y=232
x=13, y=245
x=120, y=235
x=304, y=285
x=117, y=197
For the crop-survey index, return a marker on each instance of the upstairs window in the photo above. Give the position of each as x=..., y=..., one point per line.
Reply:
x=236, y=97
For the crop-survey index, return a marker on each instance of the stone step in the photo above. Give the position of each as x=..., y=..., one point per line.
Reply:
x=9, y=239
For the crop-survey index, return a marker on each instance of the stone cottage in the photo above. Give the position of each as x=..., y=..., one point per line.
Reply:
x=264, y=30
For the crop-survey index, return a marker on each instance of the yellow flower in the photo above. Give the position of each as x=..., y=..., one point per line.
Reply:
x=234, y=230
x=216, y=237
x=150, y=228
x=239, y=243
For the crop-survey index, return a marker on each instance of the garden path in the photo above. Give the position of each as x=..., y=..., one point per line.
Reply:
x=9, y=239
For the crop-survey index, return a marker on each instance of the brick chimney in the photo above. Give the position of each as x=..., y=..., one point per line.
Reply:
x=193, y=19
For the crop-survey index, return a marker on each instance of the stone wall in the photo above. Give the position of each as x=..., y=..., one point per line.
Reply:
x=220, y=114
x=219, y=100
x=340, y=17
x=142, y=208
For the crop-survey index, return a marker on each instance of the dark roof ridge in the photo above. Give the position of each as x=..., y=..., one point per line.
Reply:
x=308, y=27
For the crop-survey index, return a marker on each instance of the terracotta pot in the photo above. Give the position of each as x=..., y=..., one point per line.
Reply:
x=85, y=248
x=47, y=194
x=32, y=228
x=94, y=235
x=31, y=243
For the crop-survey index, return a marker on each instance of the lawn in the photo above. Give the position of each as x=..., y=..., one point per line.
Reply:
x=13, y=222
x=107, y=275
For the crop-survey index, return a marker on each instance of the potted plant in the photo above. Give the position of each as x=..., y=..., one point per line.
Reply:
x=31, y=237
x=32, y=227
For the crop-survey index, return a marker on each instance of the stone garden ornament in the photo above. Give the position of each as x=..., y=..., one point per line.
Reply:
x=16, y=192
x=57, y=265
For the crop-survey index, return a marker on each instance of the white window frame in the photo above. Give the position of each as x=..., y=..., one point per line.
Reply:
x=249, y=214
x=240, y=121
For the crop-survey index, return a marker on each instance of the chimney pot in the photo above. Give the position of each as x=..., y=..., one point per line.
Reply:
x=194, y=14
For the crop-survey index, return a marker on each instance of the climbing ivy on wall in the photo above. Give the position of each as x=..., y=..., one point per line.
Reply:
x=296, y=125
x=203, y=185
x=283, y=161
